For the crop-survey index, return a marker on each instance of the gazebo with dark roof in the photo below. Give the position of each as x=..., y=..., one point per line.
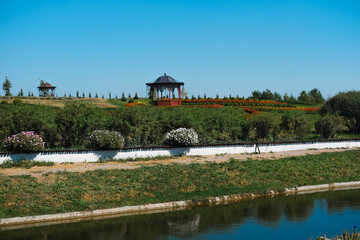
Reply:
x=44, y=90
x=166, y=82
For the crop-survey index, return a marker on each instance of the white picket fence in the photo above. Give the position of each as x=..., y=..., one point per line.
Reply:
x=94, y=156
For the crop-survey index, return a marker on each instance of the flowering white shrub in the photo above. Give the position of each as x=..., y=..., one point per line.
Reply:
x=104, y=139
x=24, y=142
x=181, y=137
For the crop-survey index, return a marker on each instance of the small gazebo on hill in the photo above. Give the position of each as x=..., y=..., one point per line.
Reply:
x=46, y=90
x=166, y=83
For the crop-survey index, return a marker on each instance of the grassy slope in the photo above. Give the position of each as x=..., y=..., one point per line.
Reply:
x=103, y=103
x=64, y=192
x=60, y=102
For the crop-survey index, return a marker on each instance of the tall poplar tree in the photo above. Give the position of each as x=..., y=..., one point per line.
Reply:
x=7, y=86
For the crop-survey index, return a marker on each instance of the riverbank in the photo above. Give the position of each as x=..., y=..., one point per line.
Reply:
x=42, y=220
x=62, y=192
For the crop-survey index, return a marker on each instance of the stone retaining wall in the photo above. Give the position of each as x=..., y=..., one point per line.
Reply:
x=94, y=156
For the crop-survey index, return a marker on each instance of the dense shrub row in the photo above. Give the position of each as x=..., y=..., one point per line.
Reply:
x=140, y=126
x=71, y=125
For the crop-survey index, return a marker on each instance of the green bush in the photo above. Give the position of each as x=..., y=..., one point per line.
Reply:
x=345, y=104
x=104, y=139
x=4, y=102
x=76, y=120
x=17, y=101
x=24, y=142
x=264, y=126
x=295, y=124
x=327, y=126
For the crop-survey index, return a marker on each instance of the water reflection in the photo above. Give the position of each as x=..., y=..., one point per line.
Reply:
x=269, y=212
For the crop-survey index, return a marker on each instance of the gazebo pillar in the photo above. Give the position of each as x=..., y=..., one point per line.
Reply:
x=170, y=96
x=157, y=95
x=179, y=102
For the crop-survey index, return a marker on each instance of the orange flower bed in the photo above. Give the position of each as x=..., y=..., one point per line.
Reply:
x=130, y=104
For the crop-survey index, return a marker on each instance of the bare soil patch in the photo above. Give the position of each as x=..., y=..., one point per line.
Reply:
x=39, y=172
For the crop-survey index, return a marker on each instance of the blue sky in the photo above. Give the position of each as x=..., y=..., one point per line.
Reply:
x=225, y=47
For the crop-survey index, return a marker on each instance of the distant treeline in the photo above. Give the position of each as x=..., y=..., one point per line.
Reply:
x=314, y=96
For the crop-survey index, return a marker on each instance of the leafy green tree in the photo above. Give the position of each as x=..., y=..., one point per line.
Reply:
x=96, y=95
x=109, y=95
x=7, y=86
x=346, y=104
x=77, y=94
x=277, y=96
x=136, y=96
x=123, y=98
x=184, y=93
x=256, y=95
x=316, y=95
x=21, y=93
x=267, y=95
x=286, y=97
x=89, y=94
x=305, y=97
x=43, y=92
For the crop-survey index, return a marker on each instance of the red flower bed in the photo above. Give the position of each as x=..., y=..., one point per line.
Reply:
x=206, y=106
x=308, y=109
x=311, y=109
x=251, y=111
x=230, y=101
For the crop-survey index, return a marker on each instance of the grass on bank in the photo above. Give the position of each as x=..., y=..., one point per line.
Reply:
x=24, y=164
x=67, y=191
